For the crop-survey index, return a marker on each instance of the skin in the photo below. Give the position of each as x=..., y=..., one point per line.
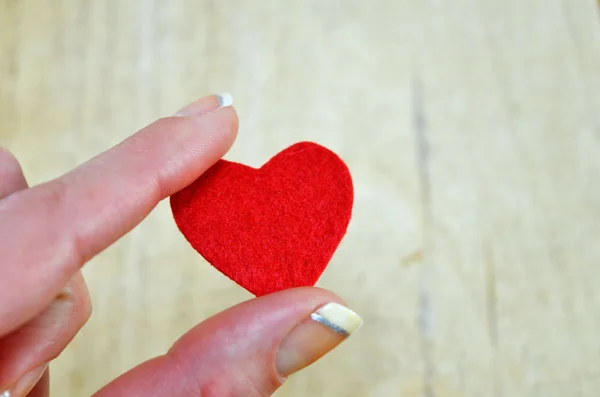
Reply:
x=48, y=232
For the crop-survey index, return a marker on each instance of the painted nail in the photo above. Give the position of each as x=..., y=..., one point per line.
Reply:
x=205, y=105
x=26, y=383
x=313, y=338
x=225, y=99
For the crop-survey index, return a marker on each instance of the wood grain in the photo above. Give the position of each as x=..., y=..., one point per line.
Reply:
x=472, y=129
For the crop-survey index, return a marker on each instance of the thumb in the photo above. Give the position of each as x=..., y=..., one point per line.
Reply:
x=247, y=350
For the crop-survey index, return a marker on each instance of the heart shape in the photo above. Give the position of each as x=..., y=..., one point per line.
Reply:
x=271, y=228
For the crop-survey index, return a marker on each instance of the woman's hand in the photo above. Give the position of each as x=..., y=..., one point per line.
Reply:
x=49, y=231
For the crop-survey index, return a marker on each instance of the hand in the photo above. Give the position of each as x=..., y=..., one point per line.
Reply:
x=49, y=231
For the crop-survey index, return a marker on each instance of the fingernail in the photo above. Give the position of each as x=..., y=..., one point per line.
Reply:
x=26, y=383
x=313, y=338
x=225, y=99
x=206, y=105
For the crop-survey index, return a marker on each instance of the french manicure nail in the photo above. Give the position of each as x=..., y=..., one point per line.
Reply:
x=26, y=383
x=225, y=99
x=206, y=105
x=326, y=328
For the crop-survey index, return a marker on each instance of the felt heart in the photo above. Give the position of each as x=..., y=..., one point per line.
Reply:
x=271, y=228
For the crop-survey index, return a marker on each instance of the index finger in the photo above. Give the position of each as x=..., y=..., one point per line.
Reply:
x=48, y=232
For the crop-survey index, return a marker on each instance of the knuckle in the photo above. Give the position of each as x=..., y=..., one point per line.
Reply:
x=6, y=156
x=77, y=297
x=88, y=308
x=51, y=198
x=83, y=308
x=54, y=198
x=8, y=162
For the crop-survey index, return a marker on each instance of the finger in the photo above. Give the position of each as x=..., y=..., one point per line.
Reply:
x=26, y=384
x=30, y=348
x=47, y=232
x=44, y=338
x=11, y=181
x=247, y=350
x=42, y=388
x=11, y=174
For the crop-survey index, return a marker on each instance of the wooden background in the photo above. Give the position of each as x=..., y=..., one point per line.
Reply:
x=472, y=129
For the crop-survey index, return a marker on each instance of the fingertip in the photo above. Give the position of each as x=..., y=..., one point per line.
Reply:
x=319, y=293
x=218, y=130
x=77, y=297
x=229, y=117
x=185, y=146
x=271, y=337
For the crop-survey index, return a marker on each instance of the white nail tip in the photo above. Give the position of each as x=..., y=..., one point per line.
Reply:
x=225, y=99
x=339, y=318
x=5, y=394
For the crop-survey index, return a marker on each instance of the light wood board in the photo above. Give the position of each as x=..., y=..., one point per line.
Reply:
x=471, y=127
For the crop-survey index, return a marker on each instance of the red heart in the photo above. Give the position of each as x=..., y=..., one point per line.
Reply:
x=271, y=228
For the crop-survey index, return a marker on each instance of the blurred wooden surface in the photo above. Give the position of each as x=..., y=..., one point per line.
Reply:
x=472, y=129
